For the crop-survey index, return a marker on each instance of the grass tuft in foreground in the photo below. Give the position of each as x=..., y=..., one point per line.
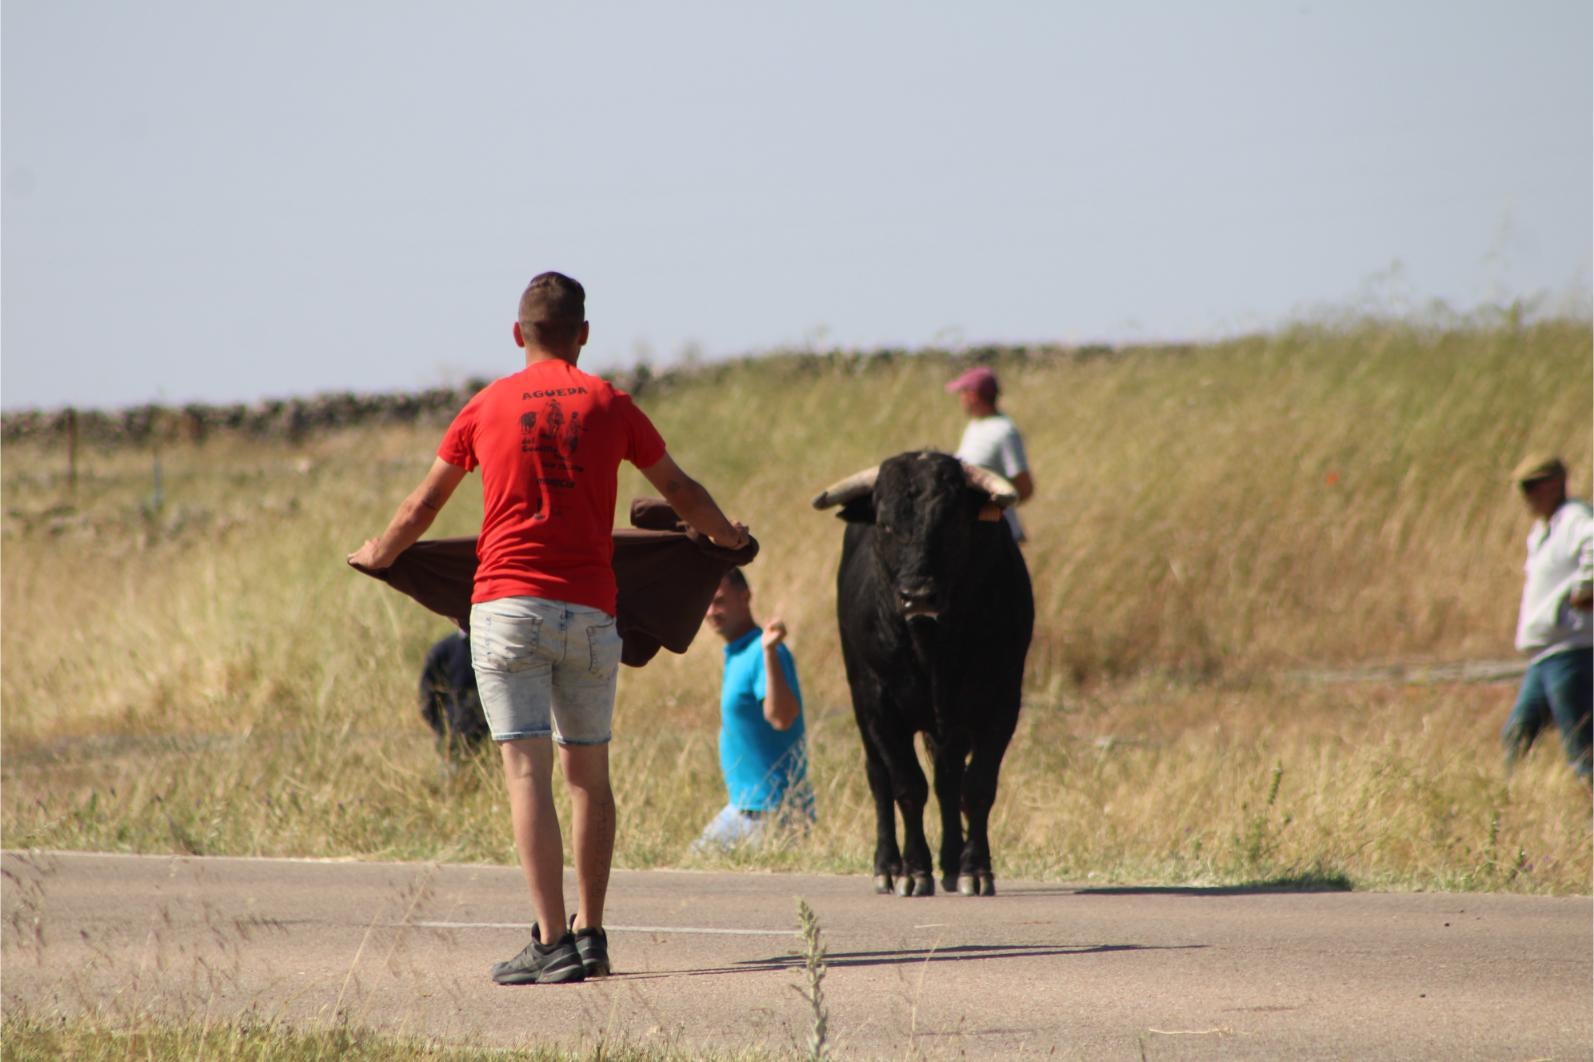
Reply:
x=813, y=987
x=28, y=1038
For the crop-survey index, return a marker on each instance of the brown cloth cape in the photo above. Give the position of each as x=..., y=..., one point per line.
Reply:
x=667, y=574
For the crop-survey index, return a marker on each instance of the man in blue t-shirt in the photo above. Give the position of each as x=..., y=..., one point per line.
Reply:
x=762, y=752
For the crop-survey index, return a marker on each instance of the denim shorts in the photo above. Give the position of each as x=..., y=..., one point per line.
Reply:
x=545, y=667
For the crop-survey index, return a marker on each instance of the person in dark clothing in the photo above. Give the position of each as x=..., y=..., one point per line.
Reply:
x=450, y=703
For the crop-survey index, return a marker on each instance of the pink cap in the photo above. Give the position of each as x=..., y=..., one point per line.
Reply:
x=979, y=379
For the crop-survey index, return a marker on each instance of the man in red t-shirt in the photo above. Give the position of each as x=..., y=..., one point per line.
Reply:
x=549, y=440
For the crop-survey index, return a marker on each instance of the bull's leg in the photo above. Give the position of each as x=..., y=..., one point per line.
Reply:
x=887, y=859
x=979, y=794
x=948, y=757
x=911, y=792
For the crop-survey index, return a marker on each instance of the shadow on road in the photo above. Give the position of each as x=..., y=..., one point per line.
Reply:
x=953, y=953
x=1288, y=883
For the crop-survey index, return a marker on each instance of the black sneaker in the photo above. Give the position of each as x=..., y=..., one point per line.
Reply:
x=542, y=964
x=593, y=947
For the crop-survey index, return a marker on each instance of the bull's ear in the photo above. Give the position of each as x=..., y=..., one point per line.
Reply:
x=859, y=510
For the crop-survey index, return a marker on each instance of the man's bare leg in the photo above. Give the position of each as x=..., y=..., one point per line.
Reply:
x=528, y=777
x=586, y=770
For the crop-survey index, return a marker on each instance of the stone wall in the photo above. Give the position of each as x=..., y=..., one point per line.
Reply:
x=294, y=419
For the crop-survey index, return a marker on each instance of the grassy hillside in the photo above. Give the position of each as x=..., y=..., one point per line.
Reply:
x=195, y=669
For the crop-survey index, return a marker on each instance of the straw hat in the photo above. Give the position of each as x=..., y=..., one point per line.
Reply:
x=1538, y=466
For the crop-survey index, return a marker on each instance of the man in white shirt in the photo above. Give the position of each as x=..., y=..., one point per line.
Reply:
x=1555, y=625
x=990, y=440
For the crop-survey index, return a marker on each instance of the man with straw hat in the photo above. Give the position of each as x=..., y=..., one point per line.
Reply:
x=1555, y=624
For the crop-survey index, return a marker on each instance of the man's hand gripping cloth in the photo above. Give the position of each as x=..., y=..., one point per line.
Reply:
x=667, y=574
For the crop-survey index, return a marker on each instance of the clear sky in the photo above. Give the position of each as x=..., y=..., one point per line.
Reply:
x=226, y=201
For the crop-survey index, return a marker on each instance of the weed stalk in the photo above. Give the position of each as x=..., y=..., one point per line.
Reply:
x=813, y=987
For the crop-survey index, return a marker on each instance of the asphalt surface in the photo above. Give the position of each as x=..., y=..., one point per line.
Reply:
x=711, y=960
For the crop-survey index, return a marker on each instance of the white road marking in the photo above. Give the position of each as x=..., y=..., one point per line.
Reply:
x=609, y=928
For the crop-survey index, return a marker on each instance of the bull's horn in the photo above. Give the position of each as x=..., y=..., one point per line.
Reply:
x=854, y=486
x=1002, y=492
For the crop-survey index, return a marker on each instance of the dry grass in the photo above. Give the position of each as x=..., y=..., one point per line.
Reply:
x=203, y=674
x=89, y=1039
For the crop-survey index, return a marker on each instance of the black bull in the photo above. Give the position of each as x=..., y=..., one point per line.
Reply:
x=936, y=612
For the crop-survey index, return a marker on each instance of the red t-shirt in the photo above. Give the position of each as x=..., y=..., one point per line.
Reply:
x=549, y=440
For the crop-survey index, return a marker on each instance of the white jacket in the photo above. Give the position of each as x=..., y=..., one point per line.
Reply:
x=1560, y=559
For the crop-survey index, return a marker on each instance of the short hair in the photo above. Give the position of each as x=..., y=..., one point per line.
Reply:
x=552, y=309
x=735, y=577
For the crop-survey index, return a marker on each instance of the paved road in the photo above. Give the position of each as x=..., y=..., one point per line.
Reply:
x=710, y=960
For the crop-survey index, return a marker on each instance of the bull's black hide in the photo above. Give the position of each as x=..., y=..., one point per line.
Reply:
x=450, y=703
x=936, y=613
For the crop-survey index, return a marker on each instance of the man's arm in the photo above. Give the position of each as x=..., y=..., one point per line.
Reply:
x=780, y=700
x=415, y=514
x=1024, y=483
x=693, y=503
x=1582, y=595
x=1015, y=464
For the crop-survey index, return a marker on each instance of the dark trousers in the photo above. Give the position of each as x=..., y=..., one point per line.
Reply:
x=1559, y=687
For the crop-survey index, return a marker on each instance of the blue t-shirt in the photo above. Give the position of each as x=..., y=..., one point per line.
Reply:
x=759, y=762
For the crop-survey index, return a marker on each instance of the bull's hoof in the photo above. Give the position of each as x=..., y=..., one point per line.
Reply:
x=916, y=885
x=979, y=883
x=949, y=882
x=882, y=884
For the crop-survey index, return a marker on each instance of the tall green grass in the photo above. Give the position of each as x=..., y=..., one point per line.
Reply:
x=200, y=672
